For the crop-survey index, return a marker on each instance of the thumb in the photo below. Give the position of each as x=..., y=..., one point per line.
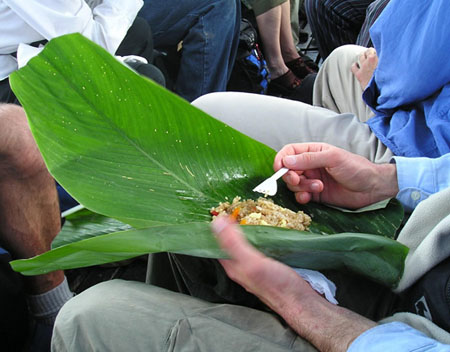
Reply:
x=231, y=239
x=311, y=160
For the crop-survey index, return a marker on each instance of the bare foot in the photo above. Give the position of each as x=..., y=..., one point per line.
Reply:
x=364, y=68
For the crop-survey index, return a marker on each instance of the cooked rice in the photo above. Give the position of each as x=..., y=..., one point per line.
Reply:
x=263, y=211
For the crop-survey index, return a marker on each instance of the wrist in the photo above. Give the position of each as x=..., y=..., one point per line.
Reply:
x=385, y=182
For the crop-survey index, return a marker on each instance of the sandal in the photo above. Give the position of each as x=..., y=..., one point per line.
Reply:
x=284, y=85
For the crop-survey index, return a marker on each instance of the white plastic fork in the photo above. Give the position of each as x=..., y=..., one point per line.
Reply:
x=269, y=186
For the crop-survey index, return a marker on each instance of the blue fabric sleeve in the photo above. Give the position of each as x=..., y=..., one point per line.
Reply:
x=418, y=178
x=397, y=337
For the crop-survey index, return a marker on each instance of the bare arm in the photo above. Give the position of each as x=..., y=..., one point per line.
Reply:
x=326, y=326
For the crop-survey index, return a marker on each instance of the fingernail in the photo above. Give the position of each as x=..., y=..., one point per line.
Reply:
x=289, y=178
x=315, y=187
x=289, y=160
x=219, y=224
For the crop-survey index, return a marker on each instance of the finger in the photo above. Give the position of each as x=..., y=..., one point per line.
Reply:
x=232, y=241
x=303, y=197
x=307, y=185
x=292, y=177
x=355, y=68
x=310, y=185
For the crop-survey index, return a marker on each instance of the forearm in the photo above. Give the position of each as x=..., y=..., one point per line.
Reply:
x=327, y=326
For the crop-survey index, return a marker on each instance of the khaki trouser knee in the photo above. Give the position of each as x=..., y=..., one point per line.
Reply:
x=336, y=88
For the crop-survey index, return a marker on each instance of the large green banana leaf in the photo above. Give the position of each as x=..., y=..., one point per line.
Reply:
x=130, y=150
x=340, y=251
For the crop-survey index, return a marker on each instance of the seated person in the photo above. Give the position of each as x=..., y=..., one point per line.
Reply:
x=209, y=33
x=277, y=122
x=129, y=315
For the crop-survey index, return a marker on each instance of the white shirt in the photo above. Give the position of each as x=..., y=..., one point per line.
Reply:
x=28, y=21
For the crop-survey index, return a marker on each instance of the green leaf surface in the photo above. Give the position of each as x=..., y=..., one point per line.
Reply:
x=85, y=224
x=377, y=257
x=128, y=149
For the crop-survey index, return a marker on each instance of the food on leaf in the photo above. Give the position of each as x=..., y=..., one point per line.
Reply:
x=263, y=211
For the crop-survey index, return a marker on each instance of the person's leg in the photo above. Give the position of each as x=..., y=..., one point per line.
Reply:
x=288, y=49
x=29, y=209
x=209, y=31
x=276, y=35
x=269, y=26
x=285, y=65
x=132, y=316
x=28, y=201
x=335, y=22
x=279, y=50
x=277, y=122
x=336, y=88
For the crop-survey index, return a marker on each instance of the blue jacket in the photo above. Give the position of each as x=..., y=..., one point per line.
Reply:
x=410, y=89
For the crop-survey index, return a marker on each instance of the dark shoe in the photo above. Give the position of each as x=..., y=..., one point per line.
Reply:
x=284, y=85
x=309, y=62
x=299, y=68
